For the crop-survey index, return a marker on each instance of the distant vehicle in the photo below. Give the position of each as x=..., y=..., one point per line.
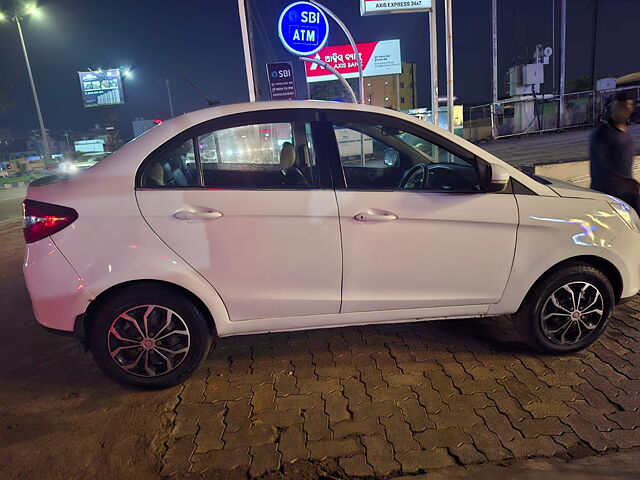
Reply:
x=278, y=216
x=82, y=163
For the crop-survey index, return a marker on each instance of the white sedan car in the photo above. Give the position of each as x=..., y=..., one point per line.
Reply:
x=270, y=217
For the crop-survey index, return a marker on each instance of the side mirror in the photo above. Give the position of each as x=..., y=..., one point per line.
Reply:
x=391, y=157
x=499, y=178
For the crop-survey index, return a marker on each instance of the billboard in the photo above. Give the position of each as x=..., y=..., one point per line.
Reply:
x=281, y=83
x=378, y=58
x=101, y=88
x=375, y=7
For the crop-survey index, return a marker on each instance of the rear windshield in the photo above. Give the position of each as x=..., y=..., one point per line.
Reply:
x=49, y=179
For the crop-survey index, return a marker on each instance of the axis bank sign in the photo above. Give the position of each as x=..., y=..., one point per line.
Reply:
x=375, y=7
x=378, y=58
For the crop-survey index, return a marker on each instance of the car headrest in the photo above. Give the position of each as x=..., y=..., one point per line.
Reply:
x=287, y=156
x=156, y=174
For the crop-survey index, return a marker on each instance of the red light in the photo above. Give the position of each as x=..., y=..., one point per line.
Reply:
x=157, y=121
x=41, y=220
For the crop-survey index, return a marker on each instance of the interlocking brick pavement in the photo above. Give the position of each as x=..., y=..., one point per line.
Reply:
x=404, y=399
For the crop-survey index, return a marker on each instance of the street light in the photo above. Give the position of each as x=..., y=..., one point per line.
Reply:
x=31, y=10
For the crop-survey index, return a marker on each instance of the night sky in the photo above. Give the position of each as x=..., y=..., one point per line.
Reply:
x=201, y=39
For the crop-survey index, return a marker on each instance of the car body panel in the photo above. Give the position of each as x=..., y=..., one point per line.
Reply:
x=442, y=250
x=271, y=253
x=552, y=231
x=58, y=293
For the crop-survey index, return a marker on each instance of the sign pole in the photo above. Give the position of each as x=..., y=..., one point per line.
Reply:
x=435, y=104
x=563, y=57
x=494, y=79
x=247, y=52
x=449, y=28
x=351, y=41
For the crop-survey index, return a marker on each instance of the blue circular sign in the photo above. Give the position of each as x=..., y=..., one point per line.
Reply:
x=303, y=28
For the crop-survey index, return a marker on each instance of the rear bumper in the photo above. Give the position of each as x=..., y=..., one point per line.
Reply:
x=58, y=294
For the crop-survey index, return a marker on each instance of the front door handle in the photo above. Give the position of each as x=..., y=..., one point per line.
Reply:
x=194, y=215
x=375, y=216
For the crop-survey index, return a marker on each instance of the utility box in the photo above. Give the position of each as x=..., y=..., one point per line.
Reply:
x=533, y=74
x=525, y=79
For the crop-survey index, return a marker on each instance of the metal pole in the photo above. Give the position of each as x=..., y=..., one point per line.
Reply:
x=553, y=43
x=343, y=80
x=449, y=25
x=252, y=48
x=494, y=48
x=43, y=132
x=247, y=52
x=563, y=56
x=435, y=104
x=351, y=41
x=169, y=93
x=594, y=44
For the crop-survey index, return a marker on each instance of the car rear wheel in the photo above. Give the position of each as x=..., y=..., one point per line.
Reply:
x=149, y=337
x=566, y=311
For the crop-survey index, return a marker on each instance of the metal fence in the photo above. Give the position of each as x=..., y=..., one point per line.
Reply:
x=536, y=114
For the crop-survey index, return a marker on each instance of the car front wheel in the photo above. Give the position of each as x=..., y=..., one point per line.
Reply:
x=149, y=337
x=566, y=311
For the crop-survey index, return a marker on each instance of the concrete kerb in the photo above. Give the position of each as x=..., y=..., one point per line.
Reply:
x=6, y=186
x=573, y=172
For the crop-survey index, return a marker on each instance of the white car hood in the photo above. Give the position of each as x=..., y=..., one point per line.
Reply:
x=565, y=189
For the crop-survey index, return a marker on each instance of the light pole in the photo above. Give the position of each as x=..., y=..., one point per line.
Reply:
x=31, y=10
x=166, y=82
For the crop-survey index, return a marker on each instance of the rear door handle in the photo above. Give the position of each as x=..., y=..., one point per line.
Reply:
x=375, y=216
x=194, y=215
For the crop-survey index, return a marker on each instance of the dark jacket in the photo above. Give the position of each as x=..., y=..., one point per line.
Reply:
x=612, y=152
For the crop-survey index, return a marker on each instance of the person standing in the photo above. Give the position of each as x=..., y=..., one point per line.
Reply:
x=611, y=152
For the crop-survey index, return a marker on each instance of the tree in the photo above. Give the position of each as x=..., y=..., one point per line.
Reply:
x=580, y=84
x=5, y=101
x=333, y=90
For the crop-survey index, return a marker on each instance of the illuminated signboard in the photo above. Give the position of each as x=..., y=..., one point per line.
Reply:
x=376, y=7
x=303, y=28
x=101, y=88
x=378, y=58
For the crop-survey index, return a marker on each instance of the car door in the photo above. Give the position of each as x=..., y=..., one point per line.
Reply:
x=247, y=202
x=409, y=244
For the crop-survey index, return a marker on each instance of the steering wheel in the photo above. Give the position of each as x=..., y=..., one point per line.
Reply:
x=417, y=173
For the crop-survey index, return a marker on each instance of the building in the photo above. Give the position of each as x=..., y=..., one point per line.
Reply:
x=89, y=146
x=397, y=91
x=141, y=125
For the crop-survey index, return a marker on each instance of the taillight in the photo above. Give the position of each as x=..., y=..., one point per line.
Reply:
x=41, y=219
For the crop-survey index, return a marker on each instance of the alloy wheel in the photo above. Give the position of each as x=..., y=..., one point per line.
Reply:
x=148, y=340
x=572, y=313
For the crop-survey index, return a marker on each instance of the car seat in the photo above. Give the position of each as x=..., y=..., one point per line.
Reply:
x=292, y=175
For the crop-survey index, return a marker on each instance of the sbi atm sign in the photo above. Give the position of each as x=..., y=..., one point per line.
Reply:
x=303, y=28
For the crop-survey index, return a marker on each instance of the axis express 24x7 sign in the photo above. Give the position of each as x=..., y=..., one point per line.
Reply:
x=375, y=7
x=378, y=58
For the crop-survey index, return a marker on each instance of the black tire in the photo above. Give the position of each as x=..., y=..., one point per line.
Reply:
x=530, y=320
x=171, y=311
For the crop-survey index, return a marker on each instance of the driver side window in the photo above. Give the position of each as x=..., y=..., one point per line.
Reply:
x=374, y=157
x=367, y=162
